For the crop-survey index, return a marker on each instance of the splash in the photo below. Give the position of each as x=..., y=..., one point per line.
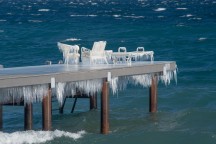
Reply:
x=32, y=137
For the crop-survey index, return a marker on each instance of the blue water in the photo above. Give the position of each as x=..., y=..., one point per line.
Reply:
x=176, y=30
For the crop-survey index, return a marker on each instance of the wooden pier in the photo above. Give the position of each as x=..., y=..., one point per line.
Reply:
x=49, y=74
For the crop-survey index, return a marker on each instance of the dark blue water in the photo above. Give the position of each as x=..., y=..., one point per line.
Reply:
x=177, y=30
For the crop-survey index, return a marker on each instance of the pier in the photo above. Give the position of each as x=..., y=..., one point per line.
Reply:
x=26, y=85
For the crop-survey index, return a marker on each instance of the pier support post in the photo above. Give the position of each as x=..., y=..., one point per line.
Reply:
x=61, y=108
x=105, y=108
x=47, y=111
x=28, y=124
x=93, y=101
x=1, y=116
x=153, y=95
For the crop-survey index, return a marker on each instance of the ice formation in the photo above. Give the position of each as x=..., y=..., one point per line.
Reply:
x=36, y=93
x=168, y=75
x=89, y=87
x=28, y=94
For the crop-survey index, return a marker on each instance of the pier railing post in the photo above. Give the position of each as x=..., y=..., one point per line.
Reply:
x=47, y=111
x=153, y=95
x=93, y=101
x=105, y=108
x=28, y=124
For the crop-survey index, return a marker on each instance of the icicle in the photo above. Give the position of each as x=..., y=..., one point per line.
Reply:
x=29, y=94
x=143, y=80
x=60, y=92
x=114, y=85
x=175, y=75
x=89, y=86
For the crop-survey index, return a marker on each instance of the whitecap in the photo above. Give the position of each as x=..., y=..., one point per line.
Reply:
x=44, y=10
x=77, y=15
x=93, y=3
x=35, y=14
x=134, y=17
x=116, y=16
x=160, y=9
x=3, y=20
x=202, y=39
x=160, y=16
x=1, y=31
x=83, y=15
x=31, y=137
x=35, y=21
x=92, y=15
x=72, y=39
x=181, y=8
x=189, y=15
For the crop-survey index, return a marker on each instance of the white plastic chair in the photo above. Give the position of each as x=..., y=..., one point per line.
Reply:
x=70, y=53
x=97, y=55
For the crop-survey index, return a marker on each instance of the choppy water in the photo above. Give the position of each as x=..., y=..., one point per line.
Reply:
x=179, y=30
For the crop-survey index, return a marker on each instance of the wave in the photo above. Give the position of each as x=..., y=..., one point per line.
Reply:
x=72, y=39
x=188, y=15
x=44, y=10
x=83, y=15
x=202, y=39
x=1, y=31
x=31, y=137
x=116, y=16
x=160, y=9
x=181, y=8
x=35, y=21
x=3, y=20
x=134, y=17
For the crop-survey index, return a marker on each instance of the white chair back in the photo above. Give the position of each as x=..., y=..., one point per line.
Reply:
x=98, y=47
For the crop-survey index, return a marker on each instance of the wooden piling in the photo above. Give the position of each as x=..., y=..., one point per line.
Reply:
x=61, y=108
x=74, y=105
x=1, y=116
x=105, y=108
x=153, y=95
x=93, y=101
x=46, y=111
x=28, y=124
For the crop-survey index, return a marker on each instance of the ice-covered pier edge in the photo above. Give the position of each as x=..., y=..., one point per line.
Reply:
x=35, y=93
x=40, y=83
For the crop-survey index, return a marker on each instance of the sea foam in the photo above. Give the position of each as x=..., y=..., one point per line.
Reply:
x=32, y=137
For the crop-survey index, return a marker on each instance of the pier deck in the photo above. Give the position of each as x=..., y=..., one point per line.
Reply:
x=33, y=75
